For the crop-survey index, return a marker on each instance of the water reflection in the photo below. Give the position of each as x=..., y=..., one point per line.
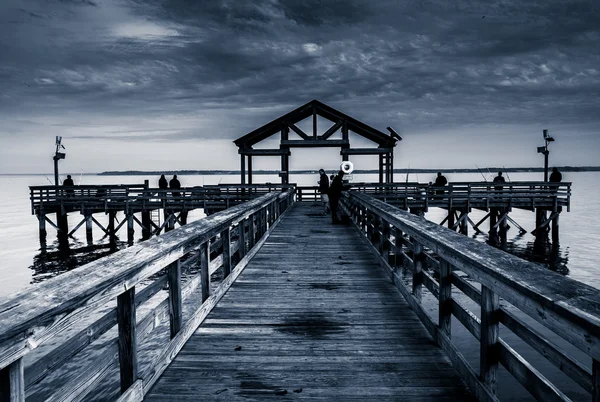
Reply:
x=541, y=251
x=66, y=254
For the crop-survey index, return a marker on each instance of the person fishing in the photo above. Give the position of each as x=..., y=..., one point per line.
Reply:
x=68, y=182
x=162, y=182
x=324, y=189
x=440, y=181
x=335, y=192
x=499, y=180
x=175, y=184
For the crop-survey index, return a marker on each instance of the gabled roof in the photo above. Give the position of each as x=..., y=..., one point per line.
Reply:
x=321, y=109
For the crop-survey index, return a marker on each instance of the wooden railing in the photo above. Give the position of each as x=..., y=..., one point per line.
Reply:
x=460, y=194
x=87, y=316
x=423, y=251
x=140, y=197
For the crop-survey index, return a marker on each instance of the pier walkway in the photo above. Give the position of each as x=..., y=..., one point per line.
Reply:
x=311, y=317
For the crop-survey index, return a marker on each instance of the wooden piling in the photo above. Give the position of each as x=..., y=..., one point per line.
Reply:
x=89, y=224
x=464, y=223
x=128, y=361
x=147, y=225
x=451, y=221
x=493, y=233
x=555, y=232
x=130, y=228
x=42, y=222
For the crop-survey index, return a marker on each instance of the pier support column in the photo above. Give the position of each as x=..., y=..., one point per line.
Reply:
x=147, y=225
x=464, y=223
x=63, y=224
x=493, y=233
x=130, y=229
x=88, y=228
x=555, y=234
x=540, y=217
x=183, y=217
x=42, y=222
x=503, y=227
x=112, y=215
x=451, y=219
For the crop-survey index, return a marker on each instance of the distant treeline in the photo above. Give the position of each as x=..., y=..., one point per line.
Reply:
x=357, y=171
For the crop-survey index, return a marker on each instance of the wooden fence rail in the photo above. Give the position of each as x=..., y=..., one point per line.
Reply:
x=566, y=307
x=88, y=293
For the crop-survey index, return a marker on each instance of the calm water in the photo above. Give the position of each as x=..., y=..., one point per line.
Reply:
x=23, y=263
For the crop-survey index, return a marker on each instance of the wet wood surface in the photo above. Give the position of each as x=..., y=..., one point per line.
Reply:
x=311, y=317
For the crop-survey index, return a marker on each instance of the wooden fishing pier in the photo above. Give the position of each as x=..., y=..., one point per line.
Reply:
x=281, y=304
x=264, y=299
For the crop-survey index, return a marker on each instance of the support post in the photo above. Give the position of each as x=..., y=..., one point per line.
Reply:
x=183, y=215
x=385, y=240
x=489, y=351
x=130, y=229
x=417, y=280
x=249, y=169
x=345, y=138
x=251, y=232
x=445, y=297
x=204, y=274
x=451, y=221
x=555, y=234
x=243, y=168
x=595, y=380
x=146, y=222
x=380, y=168
x=89, y=231
x=12, y=382
x=63, y=224
x=493, y=233
x=42, y=222
x=464, y=223
x=128, y=361
x=226, y=240
x=111, y=224
x=242, y=238
x=175, y=310
x=398, y=256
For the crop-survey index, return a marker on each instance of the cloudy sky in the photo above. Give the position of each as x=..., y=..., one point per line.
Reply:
x=168, y=84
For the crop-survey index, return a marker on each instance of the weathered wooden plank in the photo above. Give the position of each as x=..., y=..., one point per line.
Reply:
x=135, y=393
x=445, y=298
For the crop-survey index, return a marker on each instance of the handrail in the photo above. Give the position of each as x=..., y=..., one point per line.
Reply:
x=31, y=318
x=567, y=308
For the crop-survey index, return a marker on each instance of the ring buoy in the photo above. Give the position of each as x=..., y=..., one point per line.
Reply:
x=347, y=167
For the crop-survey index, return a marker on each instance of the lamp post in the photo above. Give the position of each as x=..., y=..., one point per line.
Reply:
x=544, y=150
x=57, y=156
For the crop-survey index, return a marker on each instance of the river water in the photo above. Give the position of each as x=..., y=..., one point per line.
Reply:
x=24, y=263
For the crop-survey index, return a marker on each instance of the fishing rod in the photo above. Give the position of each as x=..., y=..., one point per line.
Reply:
x=49, y=181
x=80, y=176
x=480, y=172
x=505, y=171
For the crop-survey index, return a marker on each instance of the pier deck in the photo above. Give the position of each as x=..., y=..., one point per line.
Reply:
x=311, y=317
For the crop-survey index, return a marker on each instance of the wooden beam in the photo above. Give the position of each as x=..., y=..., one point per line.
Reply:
x=313, y=143
x=128, y=360
x=365, y=151
x=331, y=130
x=264, y=152
x=298, y=131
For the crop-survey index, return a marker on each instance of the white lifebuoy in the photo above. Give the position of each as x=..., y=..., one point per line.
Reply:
x=347, y=167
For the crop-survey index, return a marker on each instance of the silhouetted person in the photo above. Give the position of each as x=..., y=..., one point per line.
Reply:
x=162, y=182
x=440, y=181
x=68, y=182
x=335, y=192
x=324, y=190
x=555, y=176
x=174, y=184
x=499, y=180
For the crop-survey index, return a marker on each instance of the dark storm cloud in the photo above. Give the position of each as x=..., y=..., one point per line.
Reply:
x=423, y=63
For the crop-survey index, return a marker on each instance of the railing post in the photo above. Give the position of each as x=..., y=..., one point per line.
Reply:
x=370, y=224
x=175, y=314
x=204, y=266
x=445, y=297
x=398, y=242
x=489, y=353
x=385, y=240
x=242, y=238
x=128, y=361
x=251, y=235
x=226, y=240
x=595, y=380
x=417, y=279
x=12, y=382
